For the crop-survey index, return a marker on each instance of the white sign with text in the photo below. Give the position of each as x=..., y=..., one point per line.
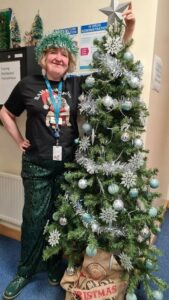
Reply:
x=10, y=74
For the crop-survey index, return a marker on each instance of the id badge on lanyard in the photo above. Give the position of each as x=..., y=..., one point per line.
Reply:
x=57, y=153
x=57, y=150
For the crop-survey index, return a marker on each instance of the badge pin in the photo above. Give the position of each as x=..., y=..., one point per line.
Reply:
x=46, y=106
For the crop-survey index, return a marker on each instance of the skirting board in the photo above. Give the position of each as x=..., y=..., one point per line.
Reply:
x=13, y=233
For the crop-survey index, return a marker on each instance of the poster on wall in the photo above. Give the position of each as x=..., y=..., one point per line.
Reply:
x=5, y=18
x=88, y=34
x=73, y=31
x=10, y=74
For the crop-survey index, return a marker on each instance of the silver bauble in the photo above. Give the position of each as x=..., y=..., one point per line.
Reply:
x=107, y=101
x=118, y=205
x=145, y=233
x=125, y=137
x=138, y=143
x=87, y=128
x=70, y=271
x=82, y=183
x=128, y=56
x=97, y=55
x=95, y=227
x=63, y=221
x=134, y=82
x=90, y=81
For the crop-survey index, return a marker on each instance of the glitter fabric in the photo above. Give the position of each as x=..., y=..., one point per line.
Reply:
x=41, y=180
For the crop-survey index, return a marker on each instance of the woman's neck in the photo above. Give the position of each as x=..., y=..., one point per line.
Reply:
x=53, y=77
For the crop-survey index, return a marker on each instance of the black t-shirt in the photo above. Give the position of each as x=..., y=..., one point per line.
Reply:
x=31, y=94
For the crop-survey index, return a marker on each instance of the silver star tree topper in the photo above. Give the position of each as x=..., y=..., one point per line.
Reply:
x=114, y=12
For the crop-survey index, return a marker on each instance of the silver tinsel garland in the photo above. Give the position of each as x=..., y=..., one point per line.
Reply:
x=112, y=167
x=87, y=104
x=112, y=65
x=139, y=70
x=135, y=162
x=94, y=224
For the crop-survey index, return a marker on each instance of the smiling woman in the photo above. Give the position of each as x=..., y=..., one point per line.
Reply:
x=56, y=63
x=51, y=128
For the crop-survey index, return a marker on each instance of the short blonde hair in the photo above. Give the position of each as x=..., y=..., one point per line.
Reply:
x=72, y=59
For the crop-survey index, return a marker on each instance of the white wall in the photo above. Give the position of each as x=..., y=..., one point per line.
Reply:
x=157, y=138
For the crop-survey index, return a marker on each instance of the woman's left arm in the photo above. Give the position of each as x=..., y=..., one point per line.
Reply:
x=129, y=19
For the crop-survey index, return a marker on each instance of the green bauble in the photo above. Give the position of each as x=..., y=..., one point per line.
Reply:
x=91, y=251
x=154, y=183
x=133, y=193
x=131, y=296
x=158, y=295
x=126, y=105
x=152, y=212
x=113, y=188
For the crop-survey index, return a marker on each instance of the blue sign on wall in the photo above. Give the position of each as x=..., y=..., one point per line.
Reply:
x=93, y=27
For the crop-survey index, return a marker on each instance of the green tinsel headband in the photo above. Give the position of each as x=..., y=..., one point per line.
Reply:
x=55, y=39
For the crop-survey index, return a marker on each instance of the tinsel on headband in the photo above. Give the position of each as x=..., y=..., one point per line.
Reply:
x=55, y=39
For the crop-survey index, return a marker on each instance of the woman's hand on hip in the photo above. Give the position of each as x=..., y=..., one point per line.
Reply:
x=24, y=145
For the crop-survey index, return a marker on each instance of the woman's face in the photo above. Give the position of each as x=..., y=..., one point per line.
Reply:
x=57, y=63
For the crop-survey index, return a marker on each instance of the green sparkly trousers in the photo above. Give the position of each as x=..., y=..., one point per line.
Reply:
x=41, y=180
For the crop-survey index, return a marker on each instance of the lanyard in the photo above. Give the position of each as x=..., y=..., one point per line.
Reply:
x=57, y=105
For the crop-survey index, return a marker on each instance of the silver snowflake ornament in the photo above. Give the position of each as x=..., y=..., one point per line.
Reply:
x=129, y=179
x=84, y=143
x=125, y=262
x=135, y=162
x=108, y=215
x=54, y=238
x=113, y=45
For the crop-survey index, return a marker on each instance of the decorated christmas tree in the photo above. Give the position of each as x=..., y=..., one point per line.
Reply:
x=37, y=29
x=15, y=33
x=108, y=192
